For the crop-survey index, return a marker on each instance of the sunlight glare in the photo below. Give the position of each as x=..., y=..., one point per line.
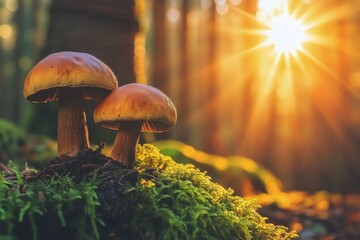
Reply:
x=298, y=74
x=269, y=6
x=286, y=34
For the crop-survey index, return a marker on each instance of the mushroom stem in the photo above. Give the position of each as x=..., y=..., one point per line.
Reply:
x=72, y=126
x=125, y=142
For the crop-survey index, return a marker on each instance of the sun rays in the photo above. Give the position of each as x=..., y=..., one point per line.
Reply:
x=289, y=34
x=274, y=77
x=301, y=87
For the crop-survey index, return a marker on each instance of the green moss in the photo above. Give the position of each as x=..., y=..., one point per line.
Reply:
x=46, y=205
x=11, y=137
x=191, y=206
x=160, y=199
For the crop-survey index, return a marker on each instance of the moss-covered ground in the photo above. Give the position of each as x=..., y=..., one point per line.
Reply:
x=92, y=197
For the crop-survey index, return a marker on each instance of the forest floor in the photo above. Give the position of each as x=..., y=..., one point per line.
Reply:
x=319, y=216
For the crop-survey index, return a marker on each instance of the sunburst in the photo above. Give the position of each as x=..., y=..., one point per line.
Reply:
x=286, y=34
x=299, y=76
x=284, y=72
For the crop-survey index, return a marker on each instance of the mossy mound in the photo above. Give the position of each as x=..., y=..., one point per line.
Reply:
x=160, y=199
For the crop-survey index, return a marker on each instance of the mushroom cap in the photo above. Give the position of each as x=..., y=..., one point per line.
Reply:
x=136, y=102
x=68, y=69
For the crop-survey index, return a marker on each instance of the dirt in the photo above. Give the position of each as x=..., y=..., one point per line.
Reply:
x=328, y=217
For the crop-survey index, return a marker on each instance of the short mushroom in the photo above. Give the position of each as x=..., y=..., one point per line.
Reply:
x=132, y=109
x=69, y=78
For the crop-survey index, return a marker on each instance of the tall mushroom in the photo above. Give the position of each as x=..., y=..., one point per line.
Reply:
x=69, y=78
x=131, y=109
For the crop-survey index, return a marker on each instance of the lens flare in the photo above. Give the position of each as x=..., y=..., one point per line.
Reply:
x=286, y=34
x=287, y=68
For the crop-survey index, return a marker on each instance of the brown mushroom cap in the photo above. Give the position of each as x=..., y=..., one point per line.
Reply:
x=136, y=102
x=69, y=69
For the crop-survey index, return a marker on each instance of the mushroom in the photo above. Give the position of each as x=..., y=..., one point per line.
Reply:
x=132, y=109
x=69, y=78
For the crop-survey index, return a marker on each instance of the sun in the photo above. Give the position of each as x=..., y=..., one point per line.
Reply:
x=286, y=34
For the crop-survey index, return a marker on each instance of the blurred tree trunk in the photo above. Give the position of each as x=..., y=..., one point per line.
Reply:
x=184, y=90
x=25, y=55
x=159, y=60
x=212, y=140
x=158, y=76
x=27, y=24
x=104, y=28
